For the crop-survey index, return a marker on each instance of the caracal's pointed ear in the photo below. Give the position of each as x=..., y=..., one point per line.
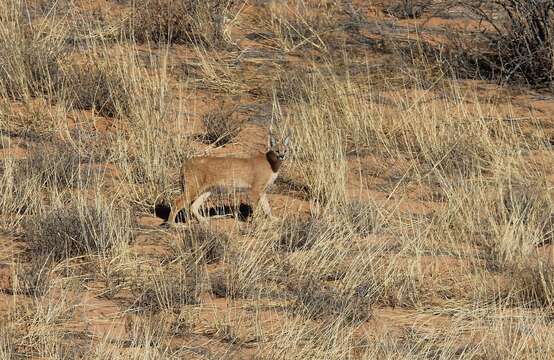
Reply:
x=286, y=140
x=272, y=141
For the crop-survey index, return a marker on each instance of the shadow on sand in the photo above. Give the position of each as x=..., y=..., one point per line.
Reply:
x=242, y=213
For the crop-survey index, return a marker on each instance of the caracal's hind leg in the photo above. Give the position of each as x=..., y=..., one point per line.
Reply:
x=196, y=204
x=255, y=198
x=179, y=203
x=182, y=201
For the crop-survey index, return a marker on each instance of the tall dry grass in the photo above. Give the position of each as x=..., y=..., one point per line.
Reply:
x=299, y=25
x=150, y=146
x=32, y=52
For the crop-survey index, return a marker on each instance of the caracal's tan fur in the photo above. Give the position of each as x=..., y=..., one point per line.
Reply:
x=203, y=175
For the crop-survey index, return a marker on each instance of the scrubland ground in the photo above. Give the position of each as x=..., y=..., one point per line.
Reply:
x=416, y=210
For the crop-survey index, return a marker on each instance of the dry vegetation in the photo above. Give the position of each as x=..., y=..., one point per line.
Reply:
x=416, y=211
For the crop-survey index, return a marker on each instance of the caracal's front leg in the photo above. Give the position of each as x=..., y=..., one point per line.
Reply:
x=195, y=207
x=264, y=204
x=178, y=204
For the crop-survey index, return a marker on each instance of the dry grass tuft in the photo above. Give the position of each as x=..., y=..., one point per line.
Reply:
x=221, y=285
x=18, y=194
x=521, y=220
x=250, y=269
x=165, y=290
x=532, y=284
x=5, y=142
x=300, y=24
x=6, y=347
x=221, y=127
x=97, y=86
x=183, y=21
x=204, y=243
x=33, y=279
x=407, y=9
x=294, y=85
x=30, y=54
x=76, y=230
x=302, y=234
x=151, y=147
x=364, y=217
x=56, y=166
x=316, y=300
x=530, y=204
x=319, y=153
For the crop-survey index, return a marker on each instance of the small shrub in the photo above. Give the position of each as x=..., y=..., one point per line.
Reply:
x=515, y=47
x=230, y=283
x=363, y=217
x=182, y=21
x=33, y=277
x=407, y=9
x=94, y=86
x=73, y=231
x=395, y=287
x=205, y=243
x=223, y=286
x=301, y=234
x=5, y=142
x=522, y=219
x=30, y=55
x=523, y=41
x=294, y=85
x=288, y=183
x=317, y=300
x=532, y=283
x=530, y=204
x=221, y=127
x=17, y=195
x=54, y=166
x=165, y=290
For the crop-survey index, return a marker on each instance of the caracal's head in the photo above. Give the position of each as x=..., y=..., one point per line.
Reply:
x=279, y=147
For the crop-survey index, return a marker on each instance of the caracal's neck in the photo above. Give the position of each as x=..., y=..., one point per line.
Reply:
x=273, y=160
